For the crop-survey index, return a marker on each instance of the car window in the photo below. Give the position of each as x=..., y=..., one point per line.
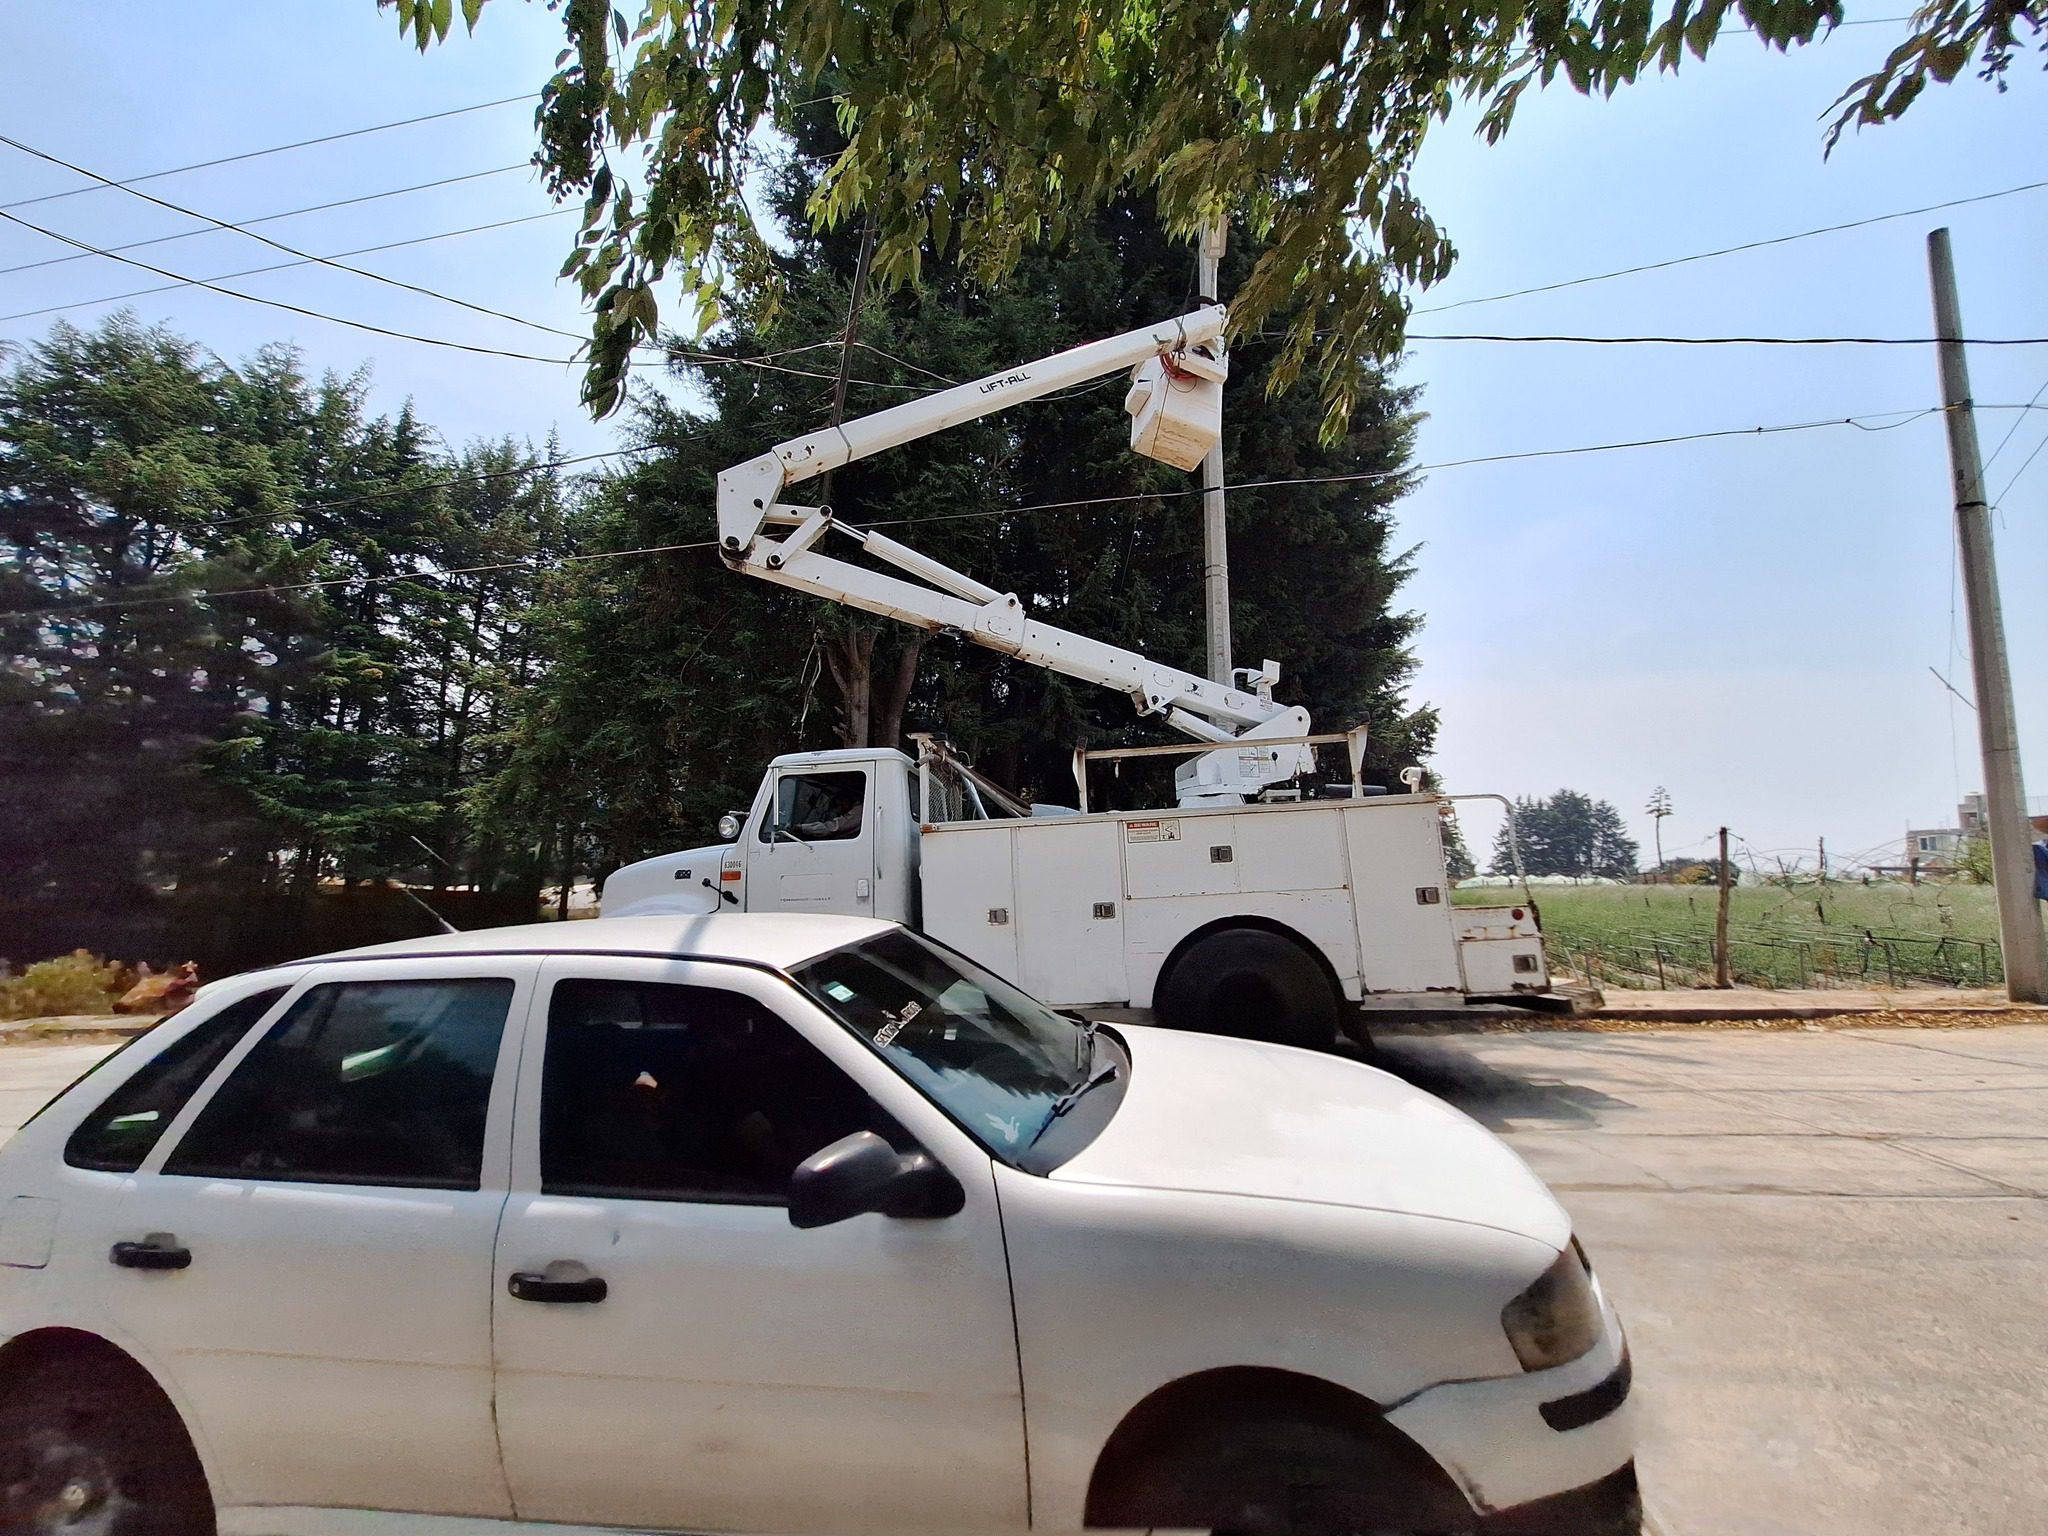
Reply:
x=118, y=1135
x=817, y=807
x=361, y=1082
x=656, y=1091
x=1003, y=1065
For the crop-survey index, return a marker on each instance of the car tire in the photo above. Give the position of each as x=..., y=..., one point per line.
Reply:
x=1280, y=1474
x=91, y=1450
x=1254, y=984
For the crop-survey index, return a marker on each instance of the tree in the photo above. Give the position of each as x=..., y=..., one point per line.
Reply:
x=1457, y=857
x=125, y=482
x=985, y=128
x=250, y=638
x=1566, y=834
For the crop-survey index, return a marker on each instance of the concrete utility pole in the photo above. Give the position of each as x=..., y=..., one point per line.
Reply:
x=2012, y=859
x=1215, y=538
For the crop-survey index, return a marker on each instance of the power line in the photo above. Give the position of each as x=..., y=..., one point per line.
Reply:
x=291, y=250
x=1745, y=341
x=1730, y=250
x=2009, y=431
x=275, y=149
x=311, y=314
x=275, y=266
x=134, y=600
x=268, y=218
x=2024, y=465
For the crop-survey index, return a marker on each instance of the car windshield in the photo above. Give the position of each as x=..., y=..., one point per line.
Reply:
x=1002, y=1064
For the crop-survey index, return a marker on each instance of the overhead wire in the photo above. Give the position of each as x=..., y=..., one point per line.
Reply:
x=58, y=611
x=1730, y=250
x=274, y=149
x=271, y=218
x=296, y=309
x=275, y=266
x=292, y=250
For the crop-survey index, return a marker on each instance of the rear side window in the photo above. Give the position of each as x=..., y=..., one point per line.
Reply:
x=362, y=1082
x=118, y=1135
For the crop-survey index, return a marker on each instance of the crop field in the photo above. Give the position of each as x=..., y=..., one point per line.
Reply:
x=1841, y=934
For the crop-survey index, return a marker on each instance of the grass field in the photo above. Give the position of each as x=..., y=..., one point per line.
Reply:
x=1808, y=935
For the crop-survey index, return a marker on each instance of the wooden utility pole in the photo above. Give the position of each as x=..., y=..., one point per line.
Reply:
x=1721, y=975
x=1823, y=861
x=1215, y=534
x=2012, y=859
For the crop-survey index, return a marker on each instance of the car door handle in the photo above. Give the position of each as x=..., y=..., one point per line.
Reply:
x=525, y=1285
x=154, y=1253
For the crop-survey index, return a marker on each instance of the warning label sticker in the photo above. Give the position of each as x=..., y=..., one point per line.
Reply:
x=1151, y=831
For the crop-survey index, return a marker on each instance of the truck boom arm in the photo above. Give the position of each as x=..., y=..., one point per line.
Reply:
x=1199, y=707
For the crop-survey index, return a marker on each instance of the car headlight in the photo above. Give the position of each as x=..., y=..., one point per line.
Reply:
x=1558, y=1318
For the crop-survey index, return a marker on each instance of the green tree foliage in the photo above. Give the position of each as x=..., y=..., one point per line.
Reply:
x=673, y=681
x=1457, y=857
x=1567, y=834
x=169, y=720
x=986, y=126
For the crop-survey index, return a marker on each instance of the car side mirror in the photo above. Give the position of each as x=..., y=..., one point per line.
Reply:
x=729, y=826
x=862, y=1173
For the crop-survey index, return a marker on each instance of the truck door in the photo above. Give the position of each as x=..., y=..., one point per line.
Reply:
x=814, y=846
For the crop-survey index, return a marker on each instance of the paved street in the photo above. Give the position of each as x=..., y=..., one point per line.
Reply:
x=1831, y=1249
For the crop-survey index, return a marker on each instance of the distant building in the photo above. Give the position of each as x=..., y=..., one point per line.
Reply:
x=1937, y=850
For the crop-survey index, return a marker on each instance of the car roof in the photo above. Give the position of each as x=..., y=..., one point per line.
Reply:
x=779, y=939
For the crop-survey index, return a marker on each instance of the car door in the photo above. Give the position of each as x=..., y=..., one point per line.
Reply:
x=815, y=843
x=307, y=1253
x=683, y=1357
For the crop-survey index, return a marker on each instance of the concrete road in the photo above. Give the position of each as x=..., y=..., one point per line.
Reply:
x=1830, y=1249
x=32, y=1075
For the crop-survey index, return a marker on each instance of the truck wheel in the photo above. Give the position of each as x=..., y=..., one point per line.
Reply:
x=1253, y=984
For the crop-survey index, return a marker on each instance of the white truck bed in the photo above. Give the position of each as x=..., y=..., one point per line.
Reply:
x=1087, y=910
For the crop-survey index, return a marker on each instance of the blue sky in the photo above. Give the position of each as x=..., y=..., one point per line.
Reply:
x=1749, y=621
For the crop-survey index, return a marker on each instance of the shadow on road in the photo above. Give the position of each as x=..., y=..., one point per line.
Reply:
x=1483, y=1091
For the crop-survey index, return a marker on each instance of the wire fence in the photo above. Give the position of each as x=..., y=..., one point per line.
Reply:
x=1778, y=958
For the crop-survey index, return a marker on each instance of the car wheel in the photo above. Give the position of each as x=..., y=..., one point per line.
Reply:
x=84, y=1452
x=1287, y=1476
x=1254, y=984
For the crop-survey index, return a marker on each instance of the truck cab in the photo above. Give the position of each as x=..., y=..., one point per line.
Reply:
x=827, y=832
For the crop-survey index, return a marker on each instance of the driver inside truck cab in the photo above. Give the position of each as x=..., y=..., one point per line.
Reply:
x=827, y=805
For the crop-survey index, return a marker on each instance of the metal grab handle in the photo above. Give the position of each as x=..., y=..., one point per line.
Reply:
x=150, y=1255
x=528, y=1286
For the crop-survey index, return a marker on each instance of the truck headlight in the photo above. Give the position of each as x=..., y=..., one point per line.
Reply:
x=1558, y=1318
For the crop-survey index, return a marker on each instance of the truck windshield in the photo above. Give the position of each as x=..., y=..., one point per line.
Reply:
x=1001, y=1064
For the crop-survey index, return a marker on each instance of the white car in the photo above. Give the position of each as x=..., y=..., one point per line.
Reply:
x=760, y=1222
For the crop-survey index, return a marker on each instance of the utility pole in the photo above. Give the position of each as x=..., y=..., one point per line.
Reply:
x=1658, y=808
x=2012, y=866
x=1215, y=537
x=1823, y=861
x=1721, y=975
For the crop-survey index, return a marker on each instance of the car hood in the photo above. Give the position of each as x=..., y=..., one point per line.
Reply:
x=1207, y=1115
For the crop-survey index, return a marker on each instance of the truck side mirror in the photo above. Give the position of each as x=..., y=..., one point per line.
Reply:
x=729, y=826
x=862, y=1173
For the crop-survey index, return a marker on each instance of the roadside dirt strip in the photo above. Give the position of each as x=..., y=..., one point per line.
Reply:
x=1829, y=1246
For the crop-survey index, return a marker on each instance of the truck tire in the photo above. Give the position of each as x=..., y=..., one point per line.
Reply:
x=1253, y=984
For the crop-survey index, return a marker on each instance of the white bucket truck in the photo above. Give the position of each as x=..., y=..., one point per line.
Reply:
x=1265, y=903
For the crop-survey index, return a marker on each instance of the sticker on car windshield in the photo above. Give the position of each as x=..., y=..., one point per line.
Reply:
x=894, y=1027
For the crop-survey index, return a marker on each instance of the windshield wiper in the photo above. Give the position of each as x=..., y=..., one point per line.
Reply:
x=1073, y=1096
